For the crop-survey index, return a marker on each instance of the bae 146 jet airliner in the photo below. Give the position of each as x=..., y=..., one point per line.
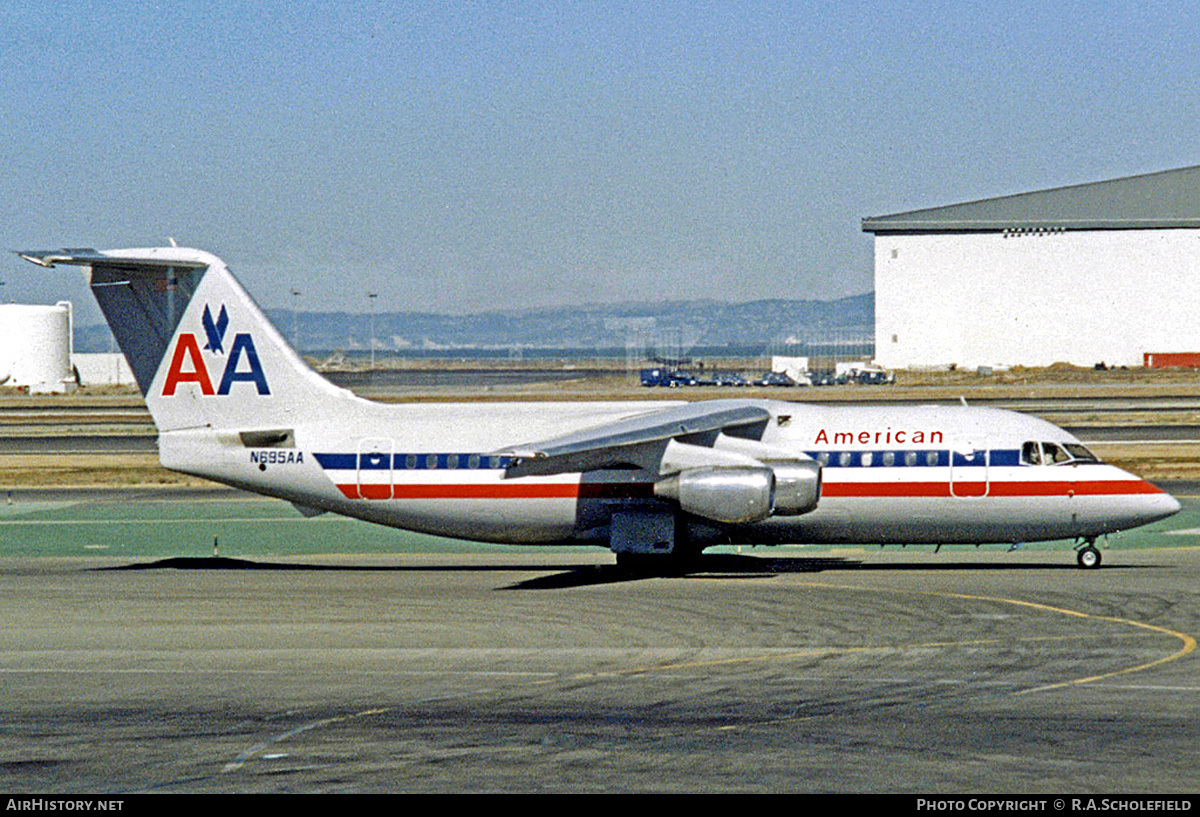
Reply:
x=655, y=482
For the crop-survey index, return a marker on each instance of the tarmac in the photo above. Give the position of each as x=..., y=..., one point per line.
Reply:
x=196, y=640
x=895, y=670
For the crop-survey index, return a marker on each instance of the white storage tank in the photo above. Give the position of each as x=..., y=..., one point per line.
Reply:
x=35, y=347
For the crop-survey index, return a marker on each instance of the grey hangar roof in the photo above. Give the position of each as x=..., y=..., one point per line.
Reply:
x=1151, y=201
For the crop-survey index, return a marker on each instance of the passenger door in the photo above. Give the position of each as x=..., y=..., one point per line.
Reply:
x=969, y=470
x=375, y=467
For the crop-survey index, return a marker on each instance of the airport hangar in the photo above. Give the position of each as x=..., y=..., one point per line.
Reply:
x=1086, y=274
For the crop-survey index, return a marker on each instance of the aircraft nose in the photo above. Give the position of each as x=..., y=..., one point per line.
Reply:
x=1160, y=506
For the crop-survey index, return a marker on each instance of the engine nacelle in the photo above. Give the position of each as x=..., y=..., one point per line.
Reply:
x=750, y=494
x=797, y=486
x=730, y=495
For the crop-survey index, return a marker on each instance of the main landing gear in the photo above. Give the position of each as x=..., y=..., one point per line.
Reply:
x=1088, y=556
x=678, y=563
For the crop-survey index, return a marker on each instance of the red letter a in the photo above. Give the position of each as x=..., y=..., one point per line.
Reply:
x=186, y=345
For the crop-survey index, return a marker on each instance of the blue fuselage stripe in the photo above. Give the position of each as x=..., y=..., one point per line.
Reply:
x=891, y=458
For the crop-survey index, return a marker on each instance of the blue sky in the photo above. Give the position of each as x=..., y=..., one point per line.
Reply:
x=467, y=156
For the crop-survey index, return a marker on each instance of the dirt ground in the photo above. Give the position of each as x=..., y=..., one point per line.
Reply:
x=1124, y=397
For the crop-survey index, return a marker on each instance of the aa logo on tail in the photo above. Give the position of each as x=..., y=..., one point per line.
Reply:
x=188, y=362
x=215, y=330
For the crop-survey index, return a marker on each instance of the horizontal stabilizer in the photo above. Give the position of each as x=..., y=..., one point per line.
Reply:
x=87, y=257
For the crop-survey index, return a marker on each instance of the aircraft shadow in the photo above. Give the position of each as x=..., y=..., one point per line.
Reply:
x=704, y=567
x=721, y=566
x=227, y=563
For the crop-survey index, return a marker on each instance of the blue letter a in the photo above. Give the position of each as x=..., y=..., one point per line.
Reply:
x=243, y=342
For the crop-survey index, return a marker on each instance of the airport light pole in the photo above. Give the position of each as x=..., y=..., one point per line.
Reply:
x=371, y=296
x=295, y=324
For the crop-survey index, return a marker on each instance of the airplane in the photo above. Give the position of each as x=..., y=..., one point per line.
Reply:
x=655, y=482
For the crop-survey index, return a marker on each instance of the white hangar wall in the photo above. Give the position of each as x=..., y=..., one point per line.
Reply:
x=103, y=369
x=1034, y=298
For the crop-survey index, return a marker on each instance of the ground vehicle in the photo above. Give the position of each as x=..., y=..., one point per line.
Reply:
x=776, y=379
x=670, y=378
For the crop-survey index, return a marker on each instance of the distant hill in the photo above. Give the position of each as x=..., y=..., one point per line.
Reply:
x=669, y=327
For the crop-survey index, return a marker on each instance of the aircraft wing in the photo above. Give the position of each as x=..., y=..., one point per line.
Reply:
x=639, y=441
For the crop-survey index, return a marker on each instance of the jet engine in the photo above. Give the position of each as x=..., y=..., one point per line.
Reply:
x=745, y=494
x=797, y=486
x=730, y=495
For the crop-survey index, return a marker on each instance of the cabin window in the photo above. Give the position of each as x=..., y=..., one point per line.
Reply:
x=889, y=458
x=844, y=459
x=866, y=459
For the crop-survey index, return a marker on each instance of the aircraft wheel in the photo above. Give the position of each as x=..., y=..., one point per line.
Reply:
x=1088, y=558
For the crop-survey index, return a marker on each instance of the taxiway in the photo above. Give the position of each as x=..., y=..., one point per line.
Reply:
x=876, y=671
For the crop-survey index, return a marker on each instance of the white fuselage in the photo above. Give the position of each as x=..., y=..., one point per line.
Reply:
x=926, y=474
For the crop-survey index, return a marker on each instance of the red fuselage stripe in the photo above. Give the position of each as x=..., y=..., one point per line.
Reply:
x=569, y=490
x=996, y=489
x=642, y=490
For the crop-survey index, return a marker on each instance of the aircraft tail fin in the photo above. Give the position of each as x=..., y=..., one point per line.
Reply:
x=202, y=351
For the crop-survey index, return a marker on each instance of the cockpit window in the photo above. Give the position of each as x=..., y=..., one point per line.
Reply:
x=1044, y=453
x=1080, y=453
x=1031, y=454
x=1054, y=455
